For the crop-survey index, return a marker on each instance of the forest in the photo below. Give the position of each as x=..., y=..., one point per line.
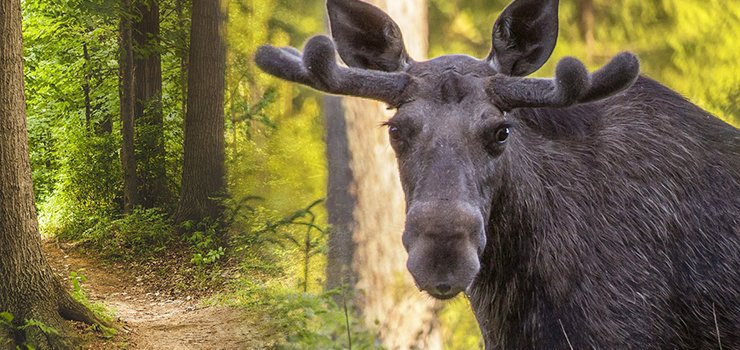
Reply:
x=159, y=191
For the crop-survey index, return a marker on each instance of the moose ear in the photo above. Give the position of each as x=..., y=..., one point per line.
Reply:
x=524, y=36
x=366, y=37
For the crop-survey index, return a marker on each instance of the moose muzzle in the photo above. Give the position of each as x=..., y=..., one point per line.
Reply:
x=444, y=239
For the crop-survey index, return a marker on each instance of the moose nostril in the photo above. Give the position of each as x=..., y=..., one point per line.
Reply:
x=443, y=288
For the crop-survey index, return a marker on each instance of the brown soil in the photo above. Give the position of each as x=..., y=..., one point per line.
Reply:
x=150, y=318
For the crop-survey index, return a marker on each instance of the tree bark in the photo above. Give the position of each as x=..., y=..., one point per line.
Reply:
x=28, y=287
x=126, y=67
x=365, y=181
x=181, y=51
x=340, y=201
x=203, y=164
x=148, y=105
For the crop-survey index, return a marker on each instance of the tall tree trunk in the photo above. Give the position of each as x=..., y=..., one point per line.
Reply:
x=203, y=164
x=368, y=185
x=28, y=287
x=181, y=51
x=126, y=67
x=148, y=105
x=340, y=201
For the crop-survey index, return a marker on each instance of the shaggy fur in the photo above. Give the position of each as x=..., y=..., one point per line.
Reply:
x=614, y=225
x=587, y=211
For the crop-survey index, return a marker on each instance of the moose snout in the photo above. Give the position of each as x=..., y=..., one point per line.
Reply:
x=444, y=240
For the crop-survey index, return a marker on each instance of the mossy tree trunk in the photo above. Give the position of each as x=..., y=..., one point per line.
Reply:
x=28, y=287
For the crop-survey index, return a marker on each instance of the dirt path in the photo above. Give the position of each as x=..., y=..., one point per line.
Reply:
x=153, y=320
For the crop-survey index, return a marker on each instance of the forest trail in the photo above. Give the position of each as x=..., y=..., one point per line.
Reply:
x=152, y=320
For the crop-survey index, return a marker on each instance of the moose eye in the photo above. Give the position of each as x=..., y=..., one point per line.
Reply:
x=502, y=134
x=400, y=133
x=394, y=132
x=494, y=137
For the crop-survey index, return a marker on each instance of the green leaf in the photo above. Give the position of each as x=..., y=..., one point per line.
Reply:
x=7, y=316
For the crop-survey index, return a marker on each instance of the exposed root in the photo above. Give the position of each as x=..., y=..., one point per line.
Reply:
x=73, y=310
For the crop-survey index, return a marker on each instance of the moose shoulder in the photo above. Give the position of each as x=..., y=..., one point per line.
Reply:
x=592, y=210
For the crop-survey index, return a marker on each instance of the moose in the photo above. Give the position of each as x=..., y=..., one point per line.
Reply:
x=593, y=210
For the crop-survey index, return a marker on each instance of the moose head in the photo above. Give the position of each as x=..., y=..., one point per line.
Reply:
x=454, y=128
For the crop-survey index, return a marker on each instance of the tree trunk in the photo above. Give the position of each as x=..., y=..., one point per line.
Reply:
x=126, y=67
x=181, y=51
x=368, y=185
x=148, y=105
x=340, y=200
x=203, y=164
x=28, y=287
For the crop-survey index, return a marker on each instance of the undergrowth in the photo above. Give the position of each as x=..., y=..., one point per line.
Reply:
x=282, y=261
x=33, y=325
x=305, y=320
x=137, y=236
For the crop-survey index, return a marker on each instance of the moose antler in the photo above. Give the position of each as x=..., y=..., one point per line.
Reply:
x=572, y=84
x=318, y=68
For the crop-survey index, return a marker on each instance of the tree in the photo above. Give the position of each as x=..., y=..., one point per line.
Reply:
x=340, y=201
x=363, y=181
x=28, y=287
x=148, y=104
x=126, y=67
x=203, y=164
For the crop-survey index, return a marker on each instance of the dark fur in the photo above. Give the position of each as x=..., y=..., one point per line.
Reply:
x=616, y=224
x=608, y=219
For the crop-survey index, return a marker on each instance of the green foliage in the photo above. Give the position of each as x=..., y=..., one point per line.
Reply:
x=68, y=48
x=316, y=322
x=306, y=321
x=247, y=113
x=35, y=323
x=6, y=320
x=72, y=93
x=275, y=147
x=211, y=257
x=203, y=238
x=86, y=187
x=137, y=236
x=307, y=245
x=280, y=258
x=76, y=279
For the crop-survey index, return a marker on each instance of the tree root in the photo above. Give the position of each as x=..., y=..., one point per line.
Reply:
x=73, y=310
x=54, y=333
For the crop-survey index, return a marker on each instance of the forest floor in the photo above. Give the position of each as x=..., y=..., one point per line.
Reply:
x=153, y=312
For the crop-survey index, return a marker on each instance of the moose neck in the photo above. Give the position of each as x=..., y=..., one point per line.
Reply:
x=507, y=302
x=568, y=179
